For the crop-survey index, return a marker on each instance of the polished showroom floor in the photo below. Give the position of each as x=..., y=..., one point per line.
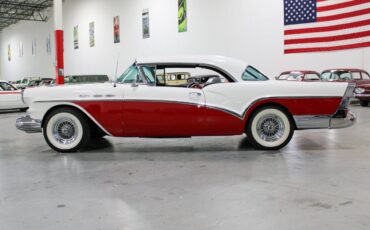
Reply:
x=320, y=181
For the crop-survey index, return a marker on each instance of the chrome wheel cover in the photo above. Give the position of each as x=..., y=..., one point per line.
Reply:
x=65, y=131
x=270, y=128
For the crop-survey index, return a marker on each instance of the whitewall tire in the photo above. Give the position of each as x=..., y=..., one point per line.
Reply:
x=270, y=128
x=66, y=130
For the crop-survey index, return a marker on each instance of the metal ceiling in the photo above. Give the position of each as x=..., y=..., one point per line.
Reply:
x=13, y=11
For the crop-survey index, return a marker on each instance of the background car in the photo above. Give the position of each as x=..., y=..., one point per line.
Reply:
x=85, y=79
x=362, y=92
x=11, y=97
x=345, y=75
x=299, y=75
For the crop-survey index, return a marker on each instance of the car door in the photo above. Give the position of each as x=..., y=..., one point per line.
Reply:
x=10, y=97
x=161, y=111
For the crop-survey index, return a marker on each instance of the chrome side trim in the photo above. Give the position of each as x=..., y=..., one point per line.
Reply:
x=28, y=124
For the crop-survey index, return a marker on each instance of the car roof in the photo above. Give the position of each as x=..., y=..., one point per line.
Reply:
x=300, y=71
x=345, y=69
x=232, y=66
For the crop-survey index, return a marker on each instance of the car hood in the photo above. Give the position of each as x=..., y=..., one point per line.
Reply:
x=67, y=92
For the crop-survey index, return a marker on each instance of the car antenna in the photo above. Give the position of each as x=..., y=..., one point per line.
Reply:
x=115, y=75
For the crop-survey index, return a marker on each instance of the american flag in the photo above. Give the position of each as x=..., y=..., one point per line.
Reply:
x=326, y=25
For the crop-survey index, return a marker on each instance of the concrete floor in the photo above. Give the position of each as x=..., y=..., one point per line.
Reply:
x=320, y=181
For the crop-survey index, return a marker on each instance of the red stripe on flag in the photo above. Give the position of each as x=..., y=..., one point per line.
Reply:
x=328, y=28
x=344, y=15
x=342, y=5
x=332, y=48
x=328, y=39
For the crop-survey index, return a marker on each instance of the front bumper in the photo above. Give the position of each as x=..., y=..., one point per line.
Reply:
x=343, y=119
x=28, y=124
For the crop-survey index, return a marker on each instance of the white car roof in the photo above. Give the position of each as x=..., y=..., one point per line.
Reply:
x=232, y=66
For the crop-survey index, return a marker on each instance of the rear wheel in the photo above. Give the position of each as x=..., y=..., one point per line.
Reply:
x=66, y=130
x=270, y=128
x=364, y=103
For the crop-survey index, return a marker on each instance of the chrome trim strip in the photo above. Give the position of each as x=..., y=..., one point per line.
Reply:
x=28, y=124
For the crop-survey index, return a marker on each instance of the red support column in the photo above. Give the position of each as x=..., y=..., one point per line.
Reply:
x=59, y=57
x=59, y=42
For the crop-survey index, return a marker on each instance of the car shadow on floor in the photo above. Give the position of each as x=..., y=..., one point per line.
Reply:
x=105, y=145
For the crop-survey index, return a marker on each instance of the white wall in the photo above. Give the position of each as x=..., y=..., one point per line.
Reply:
x=245, y=29
x=40, y=65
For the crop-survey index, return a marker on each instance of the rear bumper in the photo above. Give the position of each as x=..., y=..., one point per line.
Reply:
x=362, y=96
x=28, y=124
x=344, y=119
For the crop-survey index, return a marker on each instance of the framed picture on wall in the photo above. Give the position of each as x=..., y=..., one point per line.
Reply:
x=20, y=49
x=75, y=37
x=116, y=30
x=48, y=44
x=182, y=16
x=9, y=53
x=92, y=34
x=34, y=47
x=146, y=28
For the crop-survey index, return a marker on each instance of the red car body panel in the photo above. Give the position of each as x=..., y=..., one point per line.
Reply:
x=174, y=119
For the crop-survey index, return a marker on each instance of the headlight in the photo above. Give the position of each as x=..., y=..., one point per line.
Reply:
x=359, y=90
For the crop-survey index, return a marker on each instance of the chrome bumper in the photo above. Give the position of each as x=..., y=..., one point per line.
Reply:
x=325, y=122
x=361, y=95
x=28, y=125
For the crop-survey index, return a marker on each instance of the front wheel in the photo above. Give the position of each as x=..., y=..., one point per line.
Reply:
x=270, y=128
x=66, y=130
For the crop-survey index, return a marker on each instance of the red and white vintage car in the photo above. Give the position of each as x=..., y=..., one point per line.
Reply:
x=242, y=100
x=10, y=97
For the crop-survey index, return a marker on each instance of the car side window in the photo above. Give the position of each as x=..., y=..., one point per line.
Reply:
x=365, y=76
x=252, y=74
x=6, y=87
x=356, y=75
x=312, y=77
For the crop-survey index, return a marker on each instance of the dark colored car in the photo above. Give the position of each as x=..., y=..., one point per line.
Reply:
x=299, y=75
x=85, y=79
x=362, y=92
x=345, y=75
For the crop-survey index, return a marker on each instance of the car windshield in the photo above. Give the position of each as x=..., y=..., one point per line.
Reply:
x=252, y=74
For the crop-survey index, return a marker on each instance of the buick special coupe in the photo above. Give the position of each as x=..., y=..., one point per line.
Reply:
x=138, y=104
